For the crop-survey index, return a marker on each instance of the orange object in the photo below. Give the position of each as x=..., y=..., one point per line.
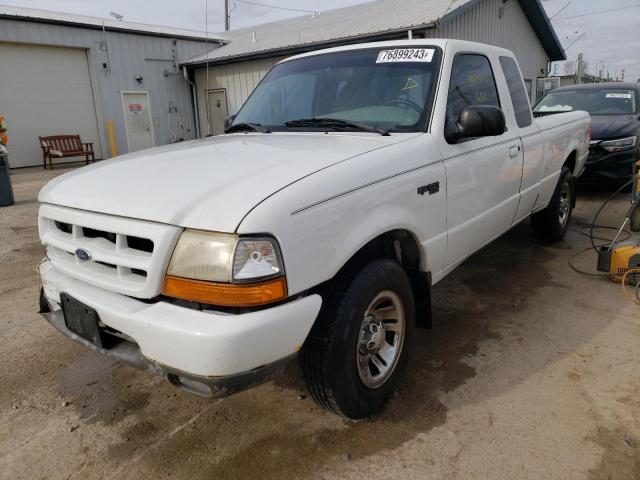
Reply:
x=226, y=294
x=624, y=257
x=4, y=139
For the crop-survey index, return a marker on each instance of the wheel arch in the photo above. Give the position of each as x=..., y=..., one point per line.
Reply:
x=570, y=163
x=403, y=246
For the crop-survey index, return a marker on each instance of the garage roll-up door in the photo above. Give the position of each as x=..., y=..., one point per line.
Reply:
x=45, y=91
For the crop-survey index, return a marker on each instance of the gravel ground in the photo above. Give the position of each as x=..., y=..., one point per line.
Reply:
x=531, y=372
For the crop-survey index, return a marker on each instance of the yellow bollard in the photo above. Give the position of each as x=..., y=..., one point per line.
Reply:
x=111, y=136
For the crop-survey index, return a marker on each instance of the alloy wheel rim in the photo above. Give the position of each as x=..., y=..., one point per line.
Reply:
x=381, y=339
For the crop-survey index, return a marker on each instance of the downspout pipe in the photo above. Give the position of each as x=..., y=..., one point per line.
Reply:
x=194, y=97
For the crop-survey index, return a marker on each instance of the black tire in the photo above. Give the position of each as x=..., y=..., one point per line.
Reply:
x=330, y=354
x=552, y=223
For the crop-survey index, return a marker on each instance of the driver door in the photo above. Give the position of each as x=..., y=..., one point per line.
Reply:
x=483, y=174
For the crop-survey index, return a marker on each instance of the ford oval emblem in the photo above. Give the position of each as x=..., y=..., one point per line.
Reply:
x=83, y=255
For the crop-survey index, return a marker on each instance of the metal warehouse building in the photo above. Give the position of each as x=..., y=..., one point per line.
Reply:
x=70, y=74
x=236, y=68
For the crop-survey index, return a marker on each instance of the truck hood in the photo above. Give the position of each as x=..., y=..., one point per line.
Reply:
x=211, y=183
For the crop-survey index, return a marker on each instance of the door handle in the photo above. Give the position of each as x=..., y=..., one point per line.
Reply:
x=514, y=151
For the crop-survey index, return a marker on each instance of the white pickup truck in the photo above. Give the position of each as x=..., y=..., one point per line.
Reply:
x=350, y=182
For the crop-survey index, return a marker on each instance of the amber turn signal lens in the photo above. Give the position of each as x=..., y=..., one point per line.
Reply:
x=226, y=294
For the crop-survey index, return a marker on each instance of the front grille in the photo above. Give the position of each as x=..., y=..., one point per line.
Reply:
x=63, y=227
x=110, y=252
x=142, y=244
x=127, y=256
x=93, y=233
x=135, y=243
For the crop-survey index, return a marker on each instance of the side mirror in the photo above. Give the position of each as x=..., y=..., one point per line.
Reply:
x=479, y=121
x=229, y=120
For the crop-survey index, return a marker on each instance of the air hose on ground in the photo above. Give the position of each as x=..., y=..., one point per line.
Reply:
x=588, y=231
x=636, y=289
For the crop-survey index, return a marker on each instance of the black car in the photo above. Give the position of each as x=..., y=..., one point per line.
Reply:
x=615, y=126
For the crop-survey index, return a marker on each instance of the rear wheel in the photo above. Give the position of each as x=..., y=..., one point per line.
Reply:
x=551, y=224
x=357, y=350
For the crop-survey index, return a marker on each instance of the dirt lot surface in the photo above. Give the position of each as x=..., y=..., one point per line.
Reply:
x=532, y=372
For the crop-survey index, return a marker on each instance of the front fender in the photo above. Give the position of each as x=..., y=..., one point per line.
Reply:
x=323, y=220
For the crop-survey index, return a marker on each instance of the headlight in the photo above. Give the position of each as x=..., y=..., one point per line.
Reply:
x=225, y=269
x=619, y=145
x=203, y=256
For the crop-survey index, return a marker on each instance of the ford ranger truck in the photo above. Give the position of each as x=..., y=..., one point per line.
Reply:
x=350, y=182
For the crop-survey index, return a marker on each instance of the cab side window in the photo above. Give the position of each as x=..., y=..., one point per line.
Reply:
x=472, y=83
x=517, y=92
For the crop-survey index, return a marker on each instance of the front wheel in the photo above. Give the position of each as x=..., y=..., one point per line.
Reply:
x=355, y=354
x=551, y=224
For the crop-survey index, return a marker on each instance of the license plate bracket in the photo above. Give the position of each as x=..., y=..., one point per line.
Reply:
x=81, y=319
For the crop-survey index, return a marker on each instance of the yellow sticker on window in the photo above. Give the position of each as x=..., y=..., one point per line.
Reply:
x=411, y=83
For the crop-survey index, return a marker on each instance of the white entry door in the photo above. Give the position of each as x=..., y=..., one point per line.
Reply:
x=217, y=110
x=137, y=120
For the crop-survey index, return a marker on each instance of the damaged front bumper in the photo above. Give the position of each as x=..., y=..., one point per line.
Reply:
x=208, y=353
x=210, y=387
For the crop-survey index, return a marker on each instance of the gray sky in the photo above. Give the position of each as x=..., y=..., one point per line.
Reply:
x=612, y=37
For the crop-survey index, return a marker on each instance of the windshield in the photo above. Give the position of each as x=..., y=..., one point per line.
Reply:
x=609, y=101
x=387, y=88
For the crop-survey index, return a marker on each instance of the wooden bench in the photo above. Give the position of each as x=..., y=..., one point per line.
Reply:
x=63, y=146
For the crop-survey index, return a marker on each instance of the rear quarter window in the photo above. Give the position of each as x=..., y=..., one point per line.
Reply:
x=517, y=92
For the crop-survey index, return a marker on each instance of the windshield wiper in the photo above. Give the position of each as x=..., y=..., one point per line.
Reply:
x=243, y=127
x=335, y=123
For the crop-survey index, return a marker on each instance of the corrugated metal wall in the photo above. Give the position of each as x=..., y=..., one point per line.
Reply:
x=502, y=24
x=489, y=21
x=128, y=56
x=237, y=79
